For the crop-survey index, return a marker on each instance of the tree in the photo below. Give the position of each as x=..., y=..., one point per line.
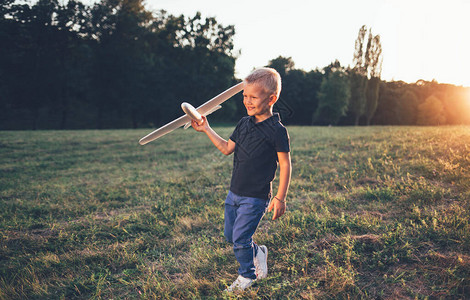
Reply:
x=358, y=77
x=333, y=98
x=113, y=64
x=30, y=64
x=431, y=112
x=365, y=75
x=372, y=97
x=283, y=65
x=388, y=109
x=408, y=108
x=373, y=64
x=298, y=99
x=357, y=104
x=147, y=63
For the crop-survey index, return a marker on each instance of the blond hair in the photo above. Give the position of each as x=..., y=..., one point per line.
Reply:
x=267, y=78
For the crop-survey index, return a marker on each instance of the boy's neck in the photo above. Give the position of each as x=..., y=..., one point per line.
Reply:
x=261, y=118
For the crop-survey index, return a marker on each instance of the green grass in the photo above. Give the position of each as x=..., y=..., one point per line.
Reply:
x=379, y=212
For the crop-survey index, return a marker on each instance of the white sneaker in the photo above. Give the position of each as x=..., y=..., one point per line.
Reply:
x=240, y=284
x=261, y=262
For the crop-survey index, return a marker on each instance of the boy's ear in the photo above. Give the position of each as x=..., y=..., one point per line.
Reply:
x=272, y=99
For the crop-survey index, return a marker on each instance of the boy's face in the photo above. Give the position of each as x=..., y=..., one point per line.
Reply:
x=257, y=101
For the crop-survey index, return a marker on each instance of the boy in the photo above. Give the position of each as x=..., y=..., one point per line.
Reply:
x=260, y=142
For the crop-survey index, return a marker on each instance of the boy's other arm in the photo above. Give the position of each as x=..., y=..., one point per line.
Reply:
x=226, y=147
x=285, y=170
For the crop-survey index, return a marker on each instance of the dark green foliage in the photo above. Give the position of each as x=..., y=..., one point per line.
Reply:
x=408, y=108
x=357, y=103
x=333, y=98
x=298, y=99
x=372, y=96
x=112, y=64
x=115, y=64
x=431, y=112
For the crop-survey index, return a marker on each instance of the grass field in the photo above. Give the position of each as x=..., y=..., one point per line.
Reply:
x=378, y=212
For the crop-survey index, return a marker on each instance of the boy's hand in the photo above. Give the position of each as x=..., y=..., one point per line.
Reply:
x=202, y=127
x=279, y=207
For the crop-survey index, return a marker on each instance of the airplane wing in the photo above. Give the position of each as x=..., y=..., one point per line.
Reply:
x=205, y=109
x=219, y=99
x=165, y=129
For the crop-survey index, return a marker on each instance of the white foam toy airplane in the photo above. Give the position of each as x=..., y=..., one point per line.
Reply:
x=192, y=113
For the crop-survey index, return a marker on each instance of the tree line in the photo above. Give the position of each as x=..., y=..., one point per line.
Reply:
x=115, y=64
x=110, y=65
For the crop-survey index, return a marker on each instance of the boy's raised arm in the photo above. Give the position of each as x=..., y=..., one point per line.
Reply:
x=226, y=147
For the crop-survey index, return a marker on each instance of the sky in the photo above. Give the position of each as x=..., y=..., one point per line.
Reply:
x=420, y=39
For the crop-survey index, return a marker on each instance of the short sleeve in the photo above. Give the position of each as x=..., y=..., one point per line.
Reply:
x=282, y=143
x=236, y=132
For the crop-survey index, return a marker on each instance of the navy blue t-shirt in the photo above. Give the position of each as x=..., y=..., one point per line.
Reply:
x=255, y=158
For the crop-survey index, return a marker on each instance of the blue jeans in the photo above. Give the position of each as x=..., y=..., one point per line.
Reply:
x=242, y=216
